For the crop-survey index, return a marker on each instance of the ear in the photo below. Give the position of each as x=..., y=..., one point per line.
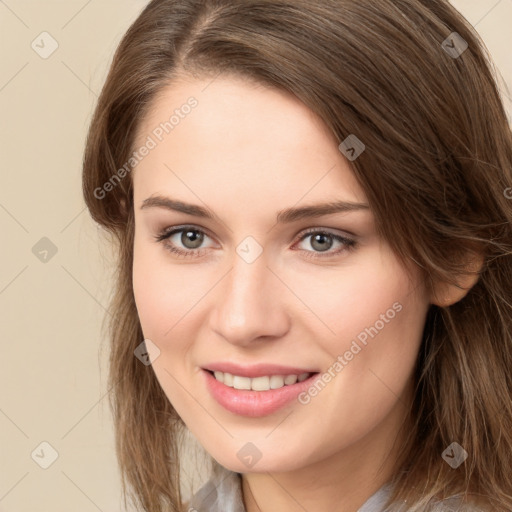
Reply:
x=445, y=294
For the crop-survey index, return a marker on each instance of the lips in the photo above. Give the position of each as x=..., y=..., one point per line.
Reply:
x=251, y=402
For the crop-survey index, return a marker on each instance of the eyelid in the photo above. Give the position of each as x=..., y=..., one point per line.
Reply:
x=329, y=231
x=171, y=230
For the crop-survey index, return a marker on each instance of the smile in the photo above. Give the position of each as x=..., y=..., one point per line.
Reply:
x=256, y=396
x=263, y=383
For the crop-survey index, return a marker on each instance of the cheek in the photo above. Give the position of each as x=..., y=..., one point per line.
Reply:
x=375, y=315
x=370, y=365
x=163, y=300
x=154, y=290
x=166, y=295
x=372, y=286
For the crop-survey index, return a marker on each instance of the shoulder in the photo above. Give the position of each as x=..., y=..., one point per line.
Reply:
x=458, y=504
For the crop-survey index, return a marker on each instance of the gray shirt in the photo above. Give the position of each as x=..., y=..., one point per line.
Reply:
x=223, y=493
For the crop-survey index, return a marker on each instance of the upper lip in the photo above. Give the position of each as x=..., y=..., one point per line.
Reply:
x=256, y=370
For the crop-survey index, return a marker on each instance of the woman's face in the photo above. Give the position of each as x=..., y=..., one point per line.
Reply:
x=264, y=279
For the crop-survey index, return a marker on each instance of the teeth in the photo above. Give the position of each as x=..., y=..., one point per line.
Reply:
x=241, y=382
x=228, y=379
x=259, y=383
x=290, y=379
x=276, y=381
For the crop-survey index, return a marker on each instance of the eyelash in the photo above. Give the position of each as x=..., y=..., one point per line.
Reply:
x=163, y=236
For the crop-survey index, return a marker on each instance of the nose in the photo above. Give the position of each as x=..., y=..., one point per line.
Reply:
x=250, y=304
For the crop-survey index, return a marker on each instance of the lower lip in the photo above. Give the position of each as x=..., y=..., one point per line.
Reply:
x=255, y=403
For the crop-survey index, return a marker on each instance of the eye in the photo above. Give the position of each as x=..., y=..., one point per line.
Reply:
x=191, y=238
x=322, y=241
x=186, y=241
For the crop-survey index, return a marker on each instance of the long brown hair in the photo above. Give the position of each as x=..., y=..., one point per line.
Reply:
x=436, y=171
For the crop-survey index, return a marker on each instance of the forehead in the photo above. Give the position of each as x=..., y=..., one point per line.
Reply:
x=227, y=102
x=240, y=135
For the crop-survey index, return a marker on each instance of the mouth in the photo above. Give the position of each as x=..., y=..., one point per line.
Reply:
x=257, y=396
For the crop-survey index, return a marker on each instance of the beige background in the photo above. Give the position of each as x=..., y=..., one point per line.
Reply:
x=52, y=371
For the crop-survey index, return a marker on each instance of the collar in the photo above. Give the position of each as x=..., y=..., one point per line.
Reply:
x=223, y=493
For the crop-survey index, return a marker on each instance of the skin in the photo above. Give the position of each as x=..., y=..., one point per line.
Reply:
x=246, y=152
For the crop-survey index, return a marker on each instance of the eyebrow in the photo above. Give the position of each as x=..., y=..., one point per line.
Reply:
x=283, y=216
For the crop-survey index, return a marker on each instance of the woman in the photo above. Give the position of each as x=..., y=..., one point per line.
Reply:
x=312, y=207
